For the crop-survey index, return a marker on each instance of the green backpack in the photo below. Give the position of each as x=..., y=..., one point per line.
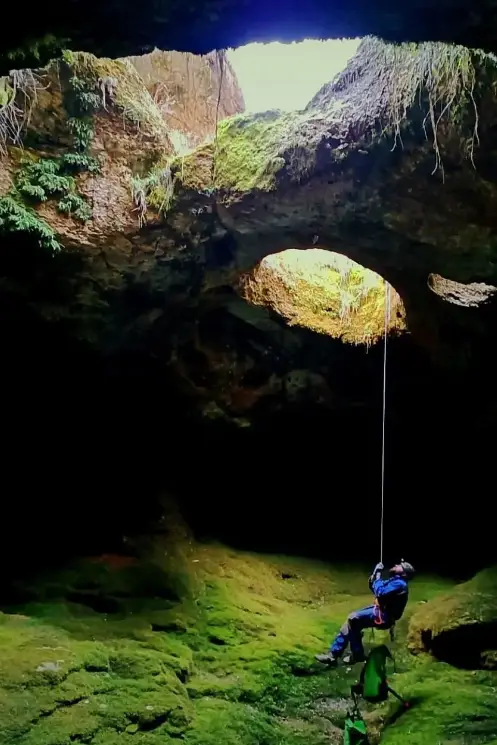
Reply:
x=373, y=687
x=373, y=681
x=355, y=731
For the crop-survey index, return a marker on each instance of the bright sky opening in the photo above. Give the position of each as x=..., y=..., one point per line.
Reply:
x=287, y=76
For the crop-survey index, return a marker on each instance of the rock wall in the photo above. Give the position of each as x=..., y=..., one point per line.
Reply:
x=129, y=299
x=193, y=92
x=118, y=176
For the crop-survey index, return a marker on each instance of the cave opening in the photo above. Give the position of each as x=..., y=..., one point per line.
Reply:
x=287, y=76
x=149, y=341
x=196, y=256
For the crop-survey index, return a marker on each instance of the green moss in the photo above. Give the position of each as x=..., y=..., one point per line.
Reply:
x=234, y=664
x=130, y=94
x=219, y=721
x=155, y=190
x=448, y=706
x=247, y=150
x=325, y=292
x=246, y=155
x=465, y=617
x=6, y=91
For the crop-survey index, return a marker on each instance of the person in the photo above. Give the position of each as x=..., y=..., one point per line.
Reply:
x=390, y=601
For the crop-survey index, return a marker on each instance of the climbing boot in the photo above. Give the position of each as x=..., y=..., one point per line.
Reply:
x=353, y=659
x=327, y=659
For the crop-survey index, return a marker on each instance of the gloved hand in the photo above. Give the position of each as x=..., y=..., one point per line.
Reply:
x=376, y=573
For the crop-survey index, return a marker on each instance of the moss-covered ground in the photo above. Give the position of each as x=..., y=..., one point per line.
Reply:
x=215, y=647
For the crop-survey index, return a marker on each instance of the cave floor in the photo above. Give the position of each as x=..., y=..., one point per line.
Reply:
x=214, y=646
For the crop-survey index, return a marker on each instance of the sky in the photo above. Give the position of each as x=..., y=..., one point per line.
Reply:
x=286, y=76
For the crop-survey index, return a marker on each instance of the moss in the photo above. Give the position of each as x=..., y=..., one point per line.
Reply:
x=325, y=292
x=155, y=189
x=233, y=665
x=461, y=626
x=374, y=96
x=247, y=151
x=448, y=706
x=441, y=81
x=130, y=94
x=6, y=91
x=245, y=155
x=194, y=170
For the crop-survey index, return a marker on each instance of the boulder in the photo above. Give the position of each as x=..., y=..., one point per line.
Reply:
x=460, y=627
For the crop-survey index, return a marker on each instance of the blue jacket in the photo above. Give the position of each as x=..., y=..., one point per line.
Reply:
x=391, y=594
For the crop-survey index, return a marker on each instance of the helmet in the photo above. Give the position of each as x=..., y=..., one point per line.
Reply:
x=408, y=569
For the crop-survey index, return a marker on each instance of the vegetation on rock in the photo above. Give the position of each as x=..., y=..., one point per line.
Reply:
x=440, y=77
x=461, y=627
x=18, y=95
x=217, y=645
x=15, y=217
x=116, y=82
x=374, y=97
x=325, y=292
x=155, y=190
x=47, y=178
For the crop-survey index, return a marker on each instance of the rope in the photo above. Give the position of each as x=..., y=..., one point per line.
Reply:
x=387, y=318
x=220, y=57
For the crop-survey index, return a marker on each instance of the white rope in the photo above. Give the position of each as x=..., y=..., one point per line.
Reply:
x=387, y=318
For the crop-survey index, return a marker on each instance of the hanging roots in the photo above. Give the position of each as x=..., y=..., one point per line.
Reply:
x=156, y=189
x=442, y=75
x=18, y=95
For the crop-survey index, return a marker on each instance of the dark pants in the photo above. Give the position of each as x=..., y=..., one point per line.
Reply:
x=351, y=631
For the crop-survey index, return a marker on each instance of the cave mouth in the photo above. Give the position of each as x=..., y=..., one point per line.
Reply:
x=470, y=646
x=325, y=292
x=287, y=76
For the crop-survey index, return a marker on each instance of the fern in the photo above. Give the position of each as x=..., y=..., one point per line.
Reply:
x=42, y=179
x=79, y=162
x=86, y=98
x=76, y=206
x=16, y=218
x=82, y=132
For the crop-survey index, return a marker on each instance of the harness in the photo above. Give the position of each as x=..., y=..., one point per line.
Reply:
x=379, y=620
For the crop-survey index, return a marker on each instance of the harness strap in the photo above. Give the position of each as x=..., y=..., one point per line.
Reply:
x=379, y=621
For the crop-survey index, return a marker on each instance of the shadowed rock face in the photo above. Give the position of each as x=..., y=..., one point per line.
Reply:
x=460, y=628
x=141, y=344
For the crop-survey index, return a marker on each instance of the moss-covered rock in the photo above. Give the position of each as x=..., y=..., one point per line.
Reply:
x=325, y=292
x=460, y=627
x=235, y=664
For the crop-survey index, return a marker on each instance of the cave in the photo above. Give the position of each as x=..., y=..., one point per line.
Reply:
x=240, y=345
